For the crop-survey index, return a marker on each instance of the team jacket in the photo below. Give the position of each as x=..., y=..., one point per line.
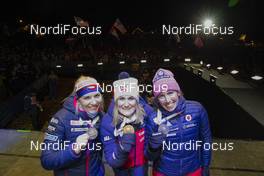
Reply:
x=133, y=163
x=189, y=126
x=64, y=128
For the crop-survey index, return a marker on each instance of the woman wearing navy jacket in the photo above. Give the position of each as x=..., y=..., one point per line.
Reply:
x=123, y=130
x=177, y=132
x=75, y=128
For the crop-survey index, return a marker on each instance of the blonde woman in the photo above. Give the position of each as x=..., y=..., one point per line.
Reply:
x=75, y=128
x=122, y=130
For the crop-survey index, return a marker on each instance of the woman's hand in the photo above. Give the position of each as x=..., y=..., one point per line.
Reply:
x=81, y=143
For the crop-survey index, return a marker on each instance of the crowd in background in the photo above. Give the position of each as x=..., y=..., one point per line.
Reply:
x=25, y=58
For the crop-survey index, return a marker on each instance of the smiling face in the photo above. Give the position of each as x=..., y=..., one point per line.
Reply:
x=126, y=105
x=169, y=100
x=91, y=102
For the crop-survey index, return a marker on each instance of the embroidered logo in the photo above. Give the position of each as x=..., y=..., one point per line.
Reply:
x=188, y=117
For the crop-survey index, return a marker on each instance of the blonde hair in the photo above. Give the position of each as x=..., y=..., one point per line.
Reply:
x=83, y=78
x=140, y=113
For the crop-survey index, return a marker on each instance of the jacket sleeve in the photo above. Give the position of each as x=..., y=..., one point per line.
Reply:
x=205, y=136
x=52, y=157
x=150, y=153
x=113, y=152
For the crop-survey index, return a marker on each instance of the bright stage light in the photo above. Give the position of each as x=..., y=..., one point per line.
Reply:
x=58, y=66
x=208, y=65
x=234, y=72
x=166, y=60
x=257, y=77
x=219, y=68
x=143, y=61
x=201, y=62
x=187, y=59
x=208, y=23
x=100, y=63
x=80, y=65
x=122, y=62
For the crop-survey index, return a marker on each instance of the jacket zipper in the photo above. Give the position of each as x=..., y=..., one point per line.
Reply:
x=181, y=129
x=135, y=157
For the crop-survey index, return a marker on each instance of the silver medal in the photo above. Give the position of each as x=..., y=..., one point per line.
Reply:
x=163, y=129
x=92, y=133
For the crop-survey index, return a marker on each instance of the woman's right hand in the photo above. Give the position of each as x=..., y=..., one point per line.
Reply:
x=156, y=140
x=81, y=143
x=128, y=141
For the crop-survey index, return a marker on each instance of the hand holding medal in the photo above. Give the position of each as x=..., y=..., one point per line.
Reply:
x=128, y=129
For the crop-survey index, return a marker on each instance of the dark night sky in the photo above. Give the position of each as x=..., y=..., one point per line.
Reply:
x=245, y=15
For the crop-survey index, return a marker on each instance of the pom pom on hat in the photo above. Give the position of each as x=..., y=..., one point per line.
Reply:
x=123, y=75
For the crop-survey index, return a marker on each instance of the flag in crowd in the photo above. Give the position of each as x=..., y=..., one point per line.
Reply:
x=114, y=33
x=242, y=37
x=232, y=3
x=175, y=37
x=137, y=30
x=80, y=22
x=119, y=26
x=198, y=42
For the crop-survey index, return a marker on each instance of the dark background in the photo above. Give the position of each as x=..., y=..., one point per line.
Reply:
x=245, y=15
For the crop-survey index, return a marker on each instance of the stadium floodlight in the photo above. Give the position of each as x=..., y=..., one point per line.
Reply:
x=100, y=63
x=143, y=61
x=208, y=23
x=234, y=72
x=166, y=60
x=58, y=66
x=79, y=65
x=122, y=62
x=220, y=68
x=257, y=77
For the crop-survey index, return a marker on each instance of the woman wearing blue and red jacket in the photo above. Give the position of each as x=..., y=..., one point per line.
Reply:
x=75, y=128
x=123, y=130
x=177, y=131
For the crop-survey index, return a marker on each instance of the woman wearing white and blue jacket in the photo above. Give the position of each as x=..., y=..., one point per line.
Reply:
x=75, y=127
x=123, y=130
x=177, y=131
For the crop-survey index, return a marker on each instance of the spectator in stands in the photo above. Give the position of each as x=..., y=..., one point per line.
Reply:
x=53, y=83
x=33, y=108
